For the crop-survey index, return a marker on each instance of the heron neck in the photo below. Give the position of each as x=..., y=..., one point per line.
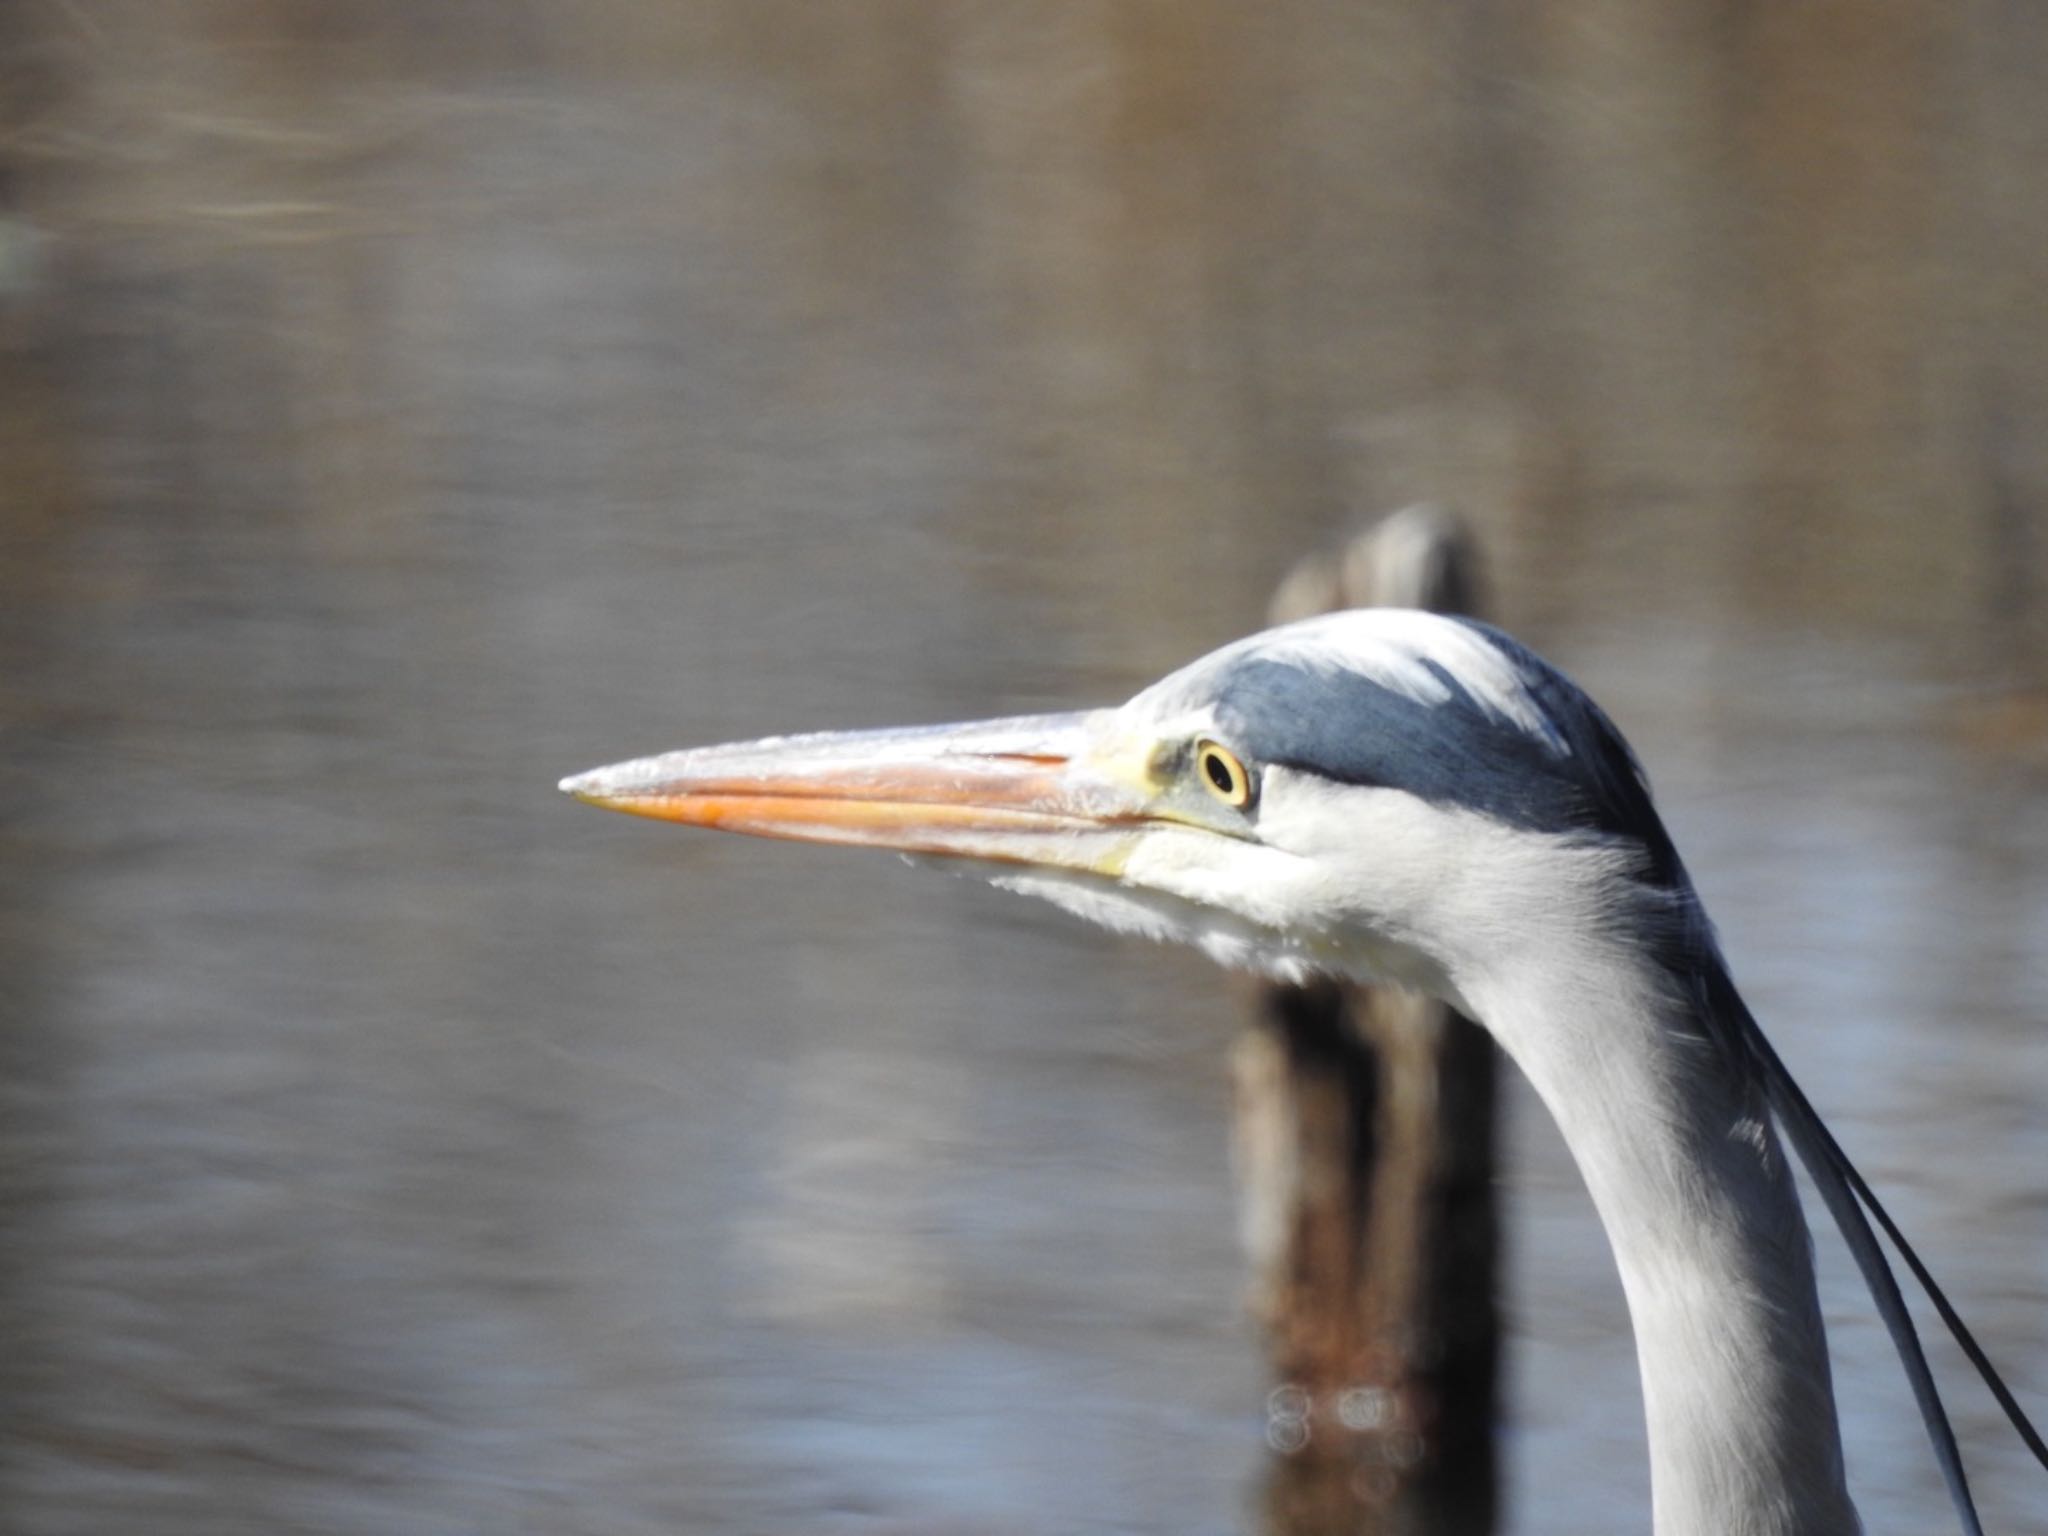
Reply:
x=1693, y=1188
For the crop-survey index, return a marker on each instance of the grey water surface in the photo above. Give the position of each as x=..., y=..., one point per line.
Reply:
x=401, y=407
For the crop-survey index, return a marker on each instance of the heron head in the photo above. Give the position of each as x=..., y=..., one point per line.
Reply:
x=1378, y=793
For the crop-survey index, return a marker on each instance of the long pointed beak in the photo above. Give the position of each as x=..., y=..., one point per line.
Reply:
x=1032, y=790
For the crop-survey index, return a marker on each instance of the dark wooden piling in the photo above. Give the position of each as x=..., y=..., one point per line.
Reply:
x=1365, y=1150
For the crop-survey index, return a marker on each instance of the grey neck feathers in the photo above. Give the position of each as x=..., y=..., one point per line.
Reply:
x=1676, y=1146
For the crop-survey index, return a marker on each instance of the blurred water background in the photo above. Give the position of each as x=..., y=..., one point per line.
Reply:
x=404, y=405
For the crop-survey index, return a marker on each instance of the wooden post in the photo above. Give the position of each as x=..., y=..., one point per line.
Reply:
x=1365, y=1153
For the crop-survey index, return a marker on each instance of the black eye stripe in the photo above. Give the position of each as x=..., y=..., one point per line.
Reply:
x=1345, y=727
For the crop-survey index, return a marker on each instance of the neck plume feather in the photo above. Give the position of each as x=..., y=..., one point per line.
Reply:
x=1672, y=1135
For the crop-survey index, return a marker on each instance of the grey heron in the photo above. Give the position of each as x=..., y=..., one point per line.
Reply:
x=1396, y=796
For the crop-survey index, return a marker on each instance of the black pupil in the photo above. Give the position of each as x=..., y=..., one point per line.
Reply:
x=1219, y=772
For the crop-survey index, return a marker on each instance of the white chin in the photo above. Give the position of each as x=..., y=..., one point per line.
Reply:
x=1151, y=915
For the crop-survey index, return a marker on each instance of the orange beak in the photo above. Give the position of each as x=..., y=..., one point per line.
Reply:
x=1021, y=791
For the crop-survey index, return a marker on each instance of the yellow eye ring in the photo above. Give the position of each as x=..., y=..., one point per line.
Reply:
x=1222, y=774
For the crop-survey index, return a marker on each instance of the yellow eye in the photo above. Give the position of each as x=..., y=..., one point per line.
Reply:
x=1224, y=775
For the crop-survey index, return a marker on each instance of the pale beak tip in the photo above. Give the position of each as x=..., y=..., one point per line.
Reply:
x=588, y=787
